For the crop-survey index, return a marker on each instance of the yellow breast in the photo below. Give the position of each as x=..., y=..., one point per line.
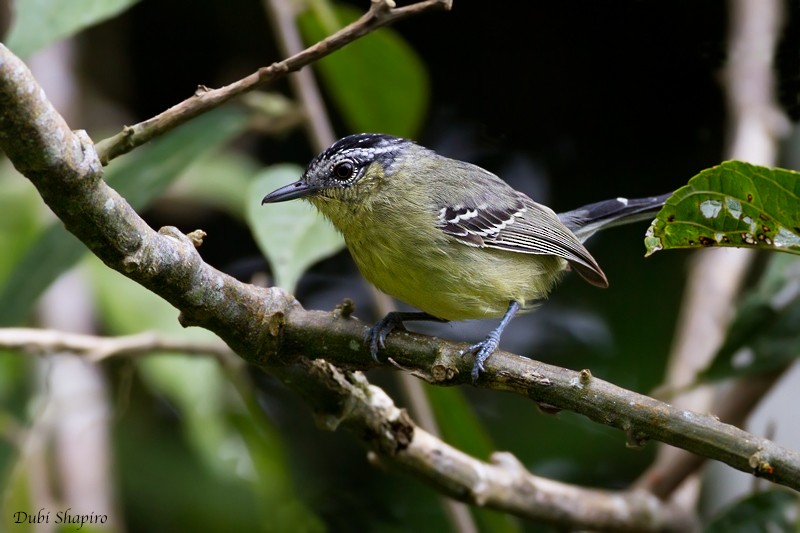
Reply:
x=451, y=280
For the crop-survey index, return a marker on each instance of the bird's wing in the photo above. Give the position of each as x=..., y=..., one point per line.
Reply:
x=516, y=223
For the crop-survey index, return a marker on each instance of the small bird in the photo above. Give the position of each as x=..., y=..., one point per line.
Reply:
x=449, y=237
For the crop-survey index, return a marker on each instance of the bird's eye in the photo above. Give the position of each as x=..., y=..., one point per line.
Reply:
x=343, y=171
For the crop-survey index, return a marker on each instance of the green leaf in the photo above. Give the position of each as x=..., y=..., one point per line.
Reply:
x=763, y=335
x=140, y=178
x=16, y=505
x=53, y=253
x=219, y=180
x=457, y=422
x=38, y=23
x=378, y=82
x=764, y=512
x=20, y=217
x=291, y=235
x=732, y=204
x=146, y=175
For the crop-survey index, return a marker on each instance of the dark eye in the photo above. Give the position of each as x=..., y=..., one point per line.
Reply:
x=343, y=171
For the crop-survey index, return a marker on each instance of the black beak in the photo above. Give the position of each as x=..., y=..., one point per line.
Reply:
x=298, y=189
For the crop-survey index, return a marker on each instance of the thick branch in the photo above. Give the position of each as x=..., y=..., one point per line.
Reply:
x=346, y=399
x=249, y=319
x=381, y=13
x=642, y=418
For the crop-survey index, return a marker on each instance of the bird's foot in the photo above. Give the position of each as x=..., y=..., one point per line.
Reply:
x=376, y=336
x=482, y=351
x=487, y=346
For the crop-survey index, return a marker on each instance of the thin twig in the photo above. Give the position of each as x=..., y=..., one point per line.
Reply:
x=95, y=349
x=381, y=13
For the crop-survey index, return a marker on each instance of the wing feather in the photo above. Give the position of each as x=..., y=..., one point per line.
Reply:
x=516, y=223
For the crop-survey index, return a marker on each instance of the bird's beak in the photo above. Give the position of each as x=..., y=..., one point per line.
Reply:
x=298, y=189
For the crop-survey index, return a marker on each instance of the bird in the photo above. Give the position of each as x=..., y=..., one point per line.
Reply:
x=448, y=237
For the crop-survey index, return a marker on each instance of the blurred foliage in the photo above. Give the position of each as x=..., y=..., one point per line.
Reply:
x=203, y=446
x=227, y=431
x=292, y=235
x=139, y=178
x=763, y=335
x=378, y=83
x=770, y=511
x=38, y=23
x=20, y=218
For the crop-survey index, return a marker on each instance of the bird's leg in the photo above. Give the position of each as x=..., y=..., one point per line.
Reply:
x=484, y=349
x=376, y=336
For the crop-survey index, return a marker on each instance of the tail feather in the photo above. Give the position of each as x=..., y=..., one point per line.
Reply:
x=589, y=219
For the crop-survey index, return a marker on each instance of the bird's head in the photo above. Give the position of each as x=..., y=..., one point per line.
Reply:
x=351, y=173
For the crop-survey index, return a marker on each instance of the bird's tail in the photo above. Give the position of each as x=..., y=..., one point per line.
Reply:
x=589, y=219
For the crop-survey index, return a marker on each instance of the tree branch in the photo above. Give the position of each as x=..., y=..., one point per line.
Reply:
x=381, y=13
x=345, y=399
x=266, y=326
x=642, y=418
x=96, y=349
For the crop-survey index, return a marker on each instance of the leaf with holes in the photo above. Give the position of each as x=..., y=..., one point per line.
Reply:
x=732, y=204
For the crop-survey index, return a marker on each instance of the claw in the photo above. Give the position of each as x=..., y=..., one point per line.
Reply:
x=482, y=351
x=487, y=346
x=376, y=336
